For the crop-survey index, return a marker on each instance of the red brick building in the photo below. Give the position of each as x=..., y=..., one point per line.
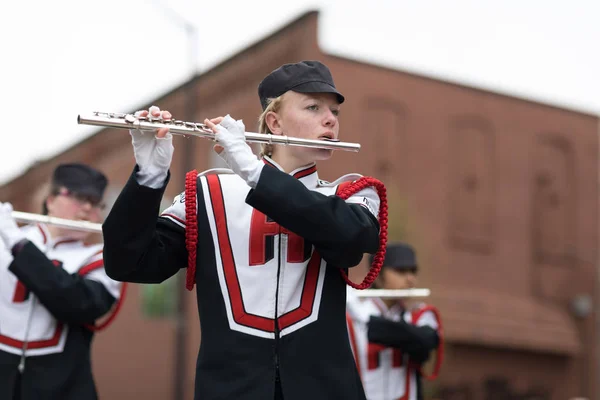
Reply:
x=498, y=194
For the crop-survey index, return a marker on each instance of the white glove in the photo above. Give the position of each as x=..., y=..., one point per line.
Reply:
x=153, y=155
x=236, y=152
x=9, y=230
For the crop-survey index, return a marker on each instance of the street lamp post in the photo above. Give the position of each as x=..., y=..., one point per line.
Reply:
x=181, y=331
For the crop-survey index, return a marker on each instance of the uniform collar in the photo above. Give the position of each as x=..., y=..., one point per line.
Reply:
x=307, y=174
x=51, y=242
x=396, y=308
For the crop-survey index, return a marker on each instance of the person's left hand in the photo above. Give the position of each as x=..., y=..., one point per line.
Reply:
x=232, y=147
x=9, y=230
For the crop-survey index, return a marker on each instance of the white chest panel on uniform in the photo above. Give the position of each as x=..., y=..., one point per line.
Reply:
x=264, y=270
x=22, y=317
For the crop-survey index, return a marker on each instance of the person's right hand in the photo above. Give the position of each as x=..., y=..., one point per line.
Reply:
x=153, y=152
x=10, y=233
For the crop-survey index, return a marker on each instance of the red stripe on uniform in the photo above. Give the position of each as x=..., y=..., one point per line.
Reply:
x=65, y=242
x=20, y=293
x=174, y=217
x=43, y=233
x=233, y=286
x=309, y=291
x=353, y=343
x=86, y=269
x=39, y=344
x=306, y=172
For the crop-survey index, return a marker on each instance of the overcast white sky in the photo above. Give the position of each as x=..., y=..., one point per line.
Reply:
x=63, y=58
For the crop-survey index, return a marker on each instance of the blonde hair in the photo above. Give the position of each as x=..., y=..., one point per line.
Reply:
x=274, y=105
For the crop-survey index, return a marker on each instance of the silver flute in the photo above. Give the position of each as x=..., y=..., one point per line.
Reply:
x=130, y=121
x=393, y=293
x=86, y=226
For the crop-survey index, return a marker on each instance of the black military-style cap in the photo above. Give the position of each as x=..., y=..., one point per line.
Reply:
x=301, y=77
x=80, y=179
x=399, y=256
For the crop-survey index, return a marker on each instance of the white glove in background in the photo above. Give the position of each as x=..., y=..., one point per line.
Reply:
x=153, y=155
x=9, y=230
x=236, y=152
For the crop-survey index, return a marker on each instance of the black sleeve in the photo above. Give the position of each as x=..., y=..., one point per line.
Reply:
x=417, y=341
x=139, y=246
x=70, y=298
x=340, y=232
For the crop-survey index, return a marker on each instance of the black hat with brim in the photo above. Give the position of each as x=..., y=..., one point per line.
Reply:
x=80, y=179
x=301, y=77
x=400, y=256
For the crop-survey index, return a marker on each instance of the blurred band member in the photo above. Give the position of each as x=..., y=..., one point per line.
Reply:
x=53, y=289
x=391, y=340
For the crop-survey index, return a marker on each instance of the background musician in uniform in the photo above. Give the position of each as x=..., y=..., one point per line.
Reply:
x=391, y=338
x=53, y=289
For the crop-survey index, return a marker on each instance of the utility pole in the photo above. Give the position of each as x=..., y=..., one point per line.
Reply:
x=597, y=294
x=187, y=164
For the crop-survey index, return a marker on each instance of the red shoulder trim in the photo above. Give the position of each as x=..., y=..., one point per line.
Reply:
x=440, y=351
x=191, y=227
x=116, y=308
x=347, y=189
x=86, y=269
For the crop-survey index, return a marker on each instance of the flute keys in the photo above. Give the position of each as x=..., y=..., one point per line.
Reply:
x=128, y=121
